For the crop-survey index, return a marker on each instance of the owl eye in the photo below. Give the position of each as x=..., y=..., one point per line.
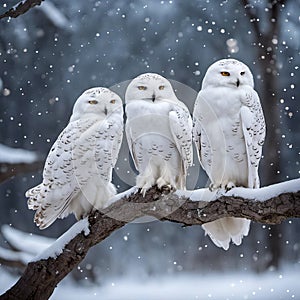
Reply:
x=224, y=73
x=142, y=87
x=161, y=87
x=242, y=73
x=113, y=101
x=93, y=101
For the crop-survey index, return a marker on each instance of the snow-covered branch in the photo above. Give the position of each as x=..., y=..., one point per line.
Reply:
x=270, y=205
x=21, y=8
x=17, y=161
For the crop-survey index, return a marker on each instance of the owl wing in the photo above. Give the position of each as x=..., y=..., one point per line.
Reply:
x=52, y=197
x=181, y=128
x=201, y=110
x=109, y=138
x=130, y=143
x=254, y=130
x=197, y=129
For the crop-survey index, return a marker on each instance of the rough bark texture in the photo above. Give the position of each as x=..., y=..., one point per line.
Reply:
x=41, y=277
x=21, y=8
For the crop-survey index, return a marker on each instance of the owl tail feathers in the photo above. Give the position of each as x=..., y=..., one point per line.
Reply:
x=104, y=196
x=47, y=210
x=228, y=229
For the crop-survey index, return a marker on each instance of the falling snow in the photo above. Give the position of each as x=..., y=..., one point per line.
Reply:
x=49, y=55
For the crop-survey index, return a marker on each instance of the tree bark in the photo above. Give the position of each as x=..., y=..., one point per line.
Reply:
x=267, y=61
x=41, y=277
x=21, y=8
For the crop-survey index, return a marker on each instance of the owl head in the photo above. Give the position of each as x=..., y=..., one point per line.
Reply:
x=149, y=87
x=97, y=101
x=228, y=73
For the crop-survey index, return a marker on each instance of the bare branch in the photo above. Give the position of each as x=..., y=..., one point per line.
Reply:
x=252, y=16
x=21, y=8
x=12, y=259
x=8, y=170
x=41, y=277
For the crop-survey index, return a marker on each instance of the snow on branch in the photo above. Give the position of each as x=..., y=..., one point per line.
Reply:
x=14, y=155
x=21, y=8
x=269, y=205
x=23, y=247
x=55, y=16
x=21, y=241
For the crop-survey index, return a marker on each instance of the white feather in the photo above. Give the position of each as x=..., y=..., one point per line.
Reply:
x=78, y=170
x=159, y=132
x=229, y=131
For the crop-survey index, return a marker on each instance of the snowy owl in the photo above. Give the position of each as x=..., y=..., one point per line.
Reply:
x=78, y=170
x=159, y=133
x=229, y=131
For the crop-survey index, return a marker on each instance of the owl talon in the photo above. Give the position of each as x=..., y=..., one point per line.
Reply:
x=161, y=183
x=230, y=185
x=144, y=189
x=143, y=192
x=212, y=187
x=166, y=188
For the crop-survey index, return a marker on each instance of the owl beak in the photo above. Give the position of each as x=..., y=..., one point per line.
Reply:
x=105, y=111
x=153, y=97
x=238, y=83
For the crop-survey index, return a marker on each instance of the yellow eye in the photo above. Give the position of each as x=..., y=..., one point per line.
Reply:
x=224, y=73
x=142, y=87
x=113, y=101
x=242, y=73
x=93, y=101
x=161, y=87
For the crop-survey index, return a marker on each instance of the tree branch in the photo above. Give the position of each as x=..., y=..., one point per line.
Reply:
x=8, y=170
x=252, y=16
x=273, y=204
x=21, y=8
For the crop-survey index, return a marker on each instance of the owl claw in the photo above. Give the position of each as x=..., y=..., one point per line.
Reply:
x=212, y=187
x=144, y=189
x=163, y=184
x=166, y=188
x=230, y=185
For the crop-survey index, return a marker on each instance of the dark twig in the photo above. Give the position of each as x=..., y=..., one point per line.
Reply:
x=21, y=8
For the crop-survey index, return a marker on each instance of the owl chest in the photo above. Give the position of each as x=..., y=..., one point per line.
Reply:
x=148, y=120
x=149, y=129
x=140, y=108
x=220, y=107
x=226, y=104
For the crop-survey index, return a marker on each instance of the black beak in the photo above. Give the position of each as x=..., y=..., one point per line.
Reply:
x=153, y=97
x=105, y=111
x=238, y=83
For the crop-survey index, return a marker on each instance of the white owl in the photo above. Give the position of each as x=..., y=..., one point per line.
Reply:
x=78, y=170
x=229, y=131
x=159, y=133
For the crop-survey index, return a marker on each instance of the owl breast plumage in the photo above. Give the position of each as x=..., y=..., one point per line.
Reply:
x=159, y=132
x=78, y=170
x=229, y=131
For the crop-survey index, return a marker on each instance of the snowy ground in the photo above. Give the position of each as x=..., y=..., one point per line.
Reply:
x=273, y=285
